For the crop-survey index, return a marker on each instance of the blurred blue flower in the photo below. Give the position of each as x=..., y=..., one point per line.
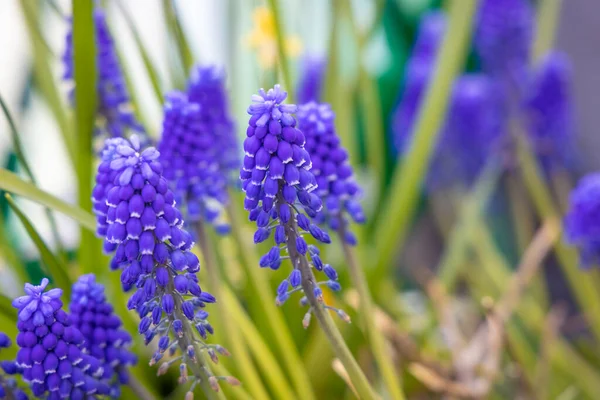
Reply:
x=471, y=134
x=206, y=87
x=191, y=154
x=8, y=385
x=312, y=76
x=503, y=37
x=336, y=185
x=51, y=354
x=114, y=115
x=103, y=335
x=549, y=112
x=419, y=68
x=582, y=222
x=278, y=183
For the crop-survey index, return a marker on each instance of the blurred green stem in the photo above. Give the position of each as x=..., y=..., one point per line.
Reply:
x=309, y=283
x=275, y=322
x=259, y=348
x=391, y=377
x=234, y=340
x=85, y=114
x=547, y=20
x=371, y=106
x=393, y=222
x=283, y=61
x=138, y=389
x=583, y=285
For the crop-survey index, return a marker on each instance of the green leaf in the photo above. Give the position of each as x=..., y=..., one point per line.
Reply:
x=55, y=270
x=148, y=64
x=84, y=49
x=12, y=183
x=7, y=309
x=392, y=224
x=176, y=31
x=18, y=148
x=44, y=77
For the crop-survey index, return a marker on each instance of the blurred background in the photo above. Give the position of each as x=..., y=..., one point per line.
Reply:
x=476, y=207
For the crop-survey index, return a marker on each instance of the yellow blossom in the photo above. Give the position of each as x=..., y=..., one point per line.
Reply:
x=263, y=41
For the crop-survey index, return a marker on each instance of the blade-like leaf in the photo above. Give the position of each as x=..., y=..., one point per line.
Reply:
x=394, y=220
x=43, y=76
x=7, y=309
x=12, y=183
x=84, y=49
x=55, y=270
x=152, y=73
x=18, y=148
x=176, y=30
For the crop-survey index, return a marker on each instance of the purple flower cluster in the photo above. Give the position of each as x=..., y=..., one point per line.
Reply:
x=206, y=88
x=310, y=84
x=582, y=222
x=330, y=166
x=114, y=114
x=8, y=385
x=471, y=133
x=52, y=355
x=105, y=178
x=153, y=252
x=419, y=69
x=191, y=154
x=503, y=37
x=278, y=182
x=102, y=333
x=549, y=112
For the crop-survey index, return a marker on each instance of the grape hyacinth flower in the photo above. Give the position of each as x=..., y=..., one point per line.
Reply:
x=103, y=336
x=51, y=355
x=503, y=37
x=582, y=222
x=206, y=87
x=310, y=84
x=104, y=182
x=114, y=115
x=279, y=186
x=335, y=179
x=8, y=385
x=471, y=133
x=417, y=75
x=549, y=111
x=154, y=254
x=190, y=155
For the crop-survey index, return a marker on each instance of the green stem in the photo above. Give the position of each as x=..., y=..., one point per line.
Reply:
x=547, y=19
x=583, y=285
x=283, y=62
x=199, y=368
x=391, y=377
x=340, y=349
x=259, y=348
x=138, y=389
x=275, y=322
x=234, y=339
x=85, y=114
x=393, y=222
x=371, y=106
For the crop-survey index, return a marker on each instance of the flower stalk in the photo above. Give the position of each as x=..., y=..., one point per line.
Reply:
x=317, y=308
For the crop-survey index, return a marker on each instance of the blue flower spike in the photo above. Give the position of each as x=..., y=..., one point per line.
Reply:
x=51, y=354
x=153, y=252
x=280, y=193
